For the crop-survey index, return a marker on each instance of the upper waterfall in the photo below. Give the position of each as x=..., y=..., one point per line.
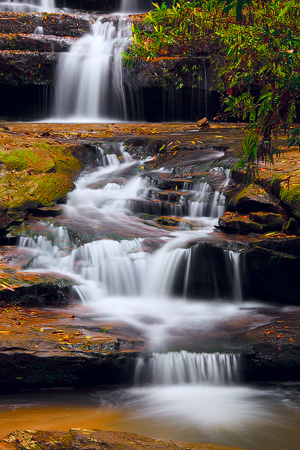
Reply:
x=89, y=80
x=28, y=5
x=134, y=6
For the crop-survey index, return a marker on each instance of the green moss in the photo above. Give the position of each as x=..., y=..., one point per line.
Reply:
x=37, y=174
x=291, y=197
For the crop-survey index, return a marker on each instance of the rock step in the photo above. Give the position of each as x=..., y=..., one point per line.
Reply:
x=27, y=68
x=56, y=24
x=63, y=347
x=38, y=42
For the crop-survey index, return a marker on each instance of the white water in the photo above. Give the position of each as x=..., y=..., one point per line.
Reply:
x=185, y=367
x=135, y=6
x=118, y=279
x=180, y=395
x=28, y=5
x=207, y=202
x=89, y=79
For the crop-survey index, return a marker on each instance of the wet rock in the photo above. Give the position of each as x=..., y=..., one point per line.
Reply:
x=172, y=71
x=56, y=24
x=272, y=352
x=273, y=221
x=259, y=222
x=290, y=196
x=28, y=289
x=77, y=439
x=272, y=275
x=35, y=42
x=232, y=222
x=254, y=198
x=292, y=226
x=173, y=222
x=59, y=348
x=26, y=68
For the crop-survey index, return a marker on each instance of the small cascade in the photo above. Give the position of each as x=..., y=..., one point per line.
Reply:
x=234, y=265
x=128, y=271
x=39, y=30
x=89, y=79
x=207, y=202
x=28, y=6
x=185, y=367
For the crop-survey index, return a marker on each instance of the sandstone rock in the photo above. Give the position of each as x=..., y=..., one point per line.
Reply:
x=273, y=221
x=35, y=42
x=272, y=351
x=63, y=347
x=77, y=439
x=254, y=198
x=290, y=196
x=272, y=275
x=56, y=24
x=258, y=222
x=232, y=222
x=203, y=123
x=36, y=173
x=26, y=68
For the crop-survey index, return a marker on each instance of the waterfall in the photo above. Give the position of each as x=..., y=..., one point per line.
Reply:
x=207, y=202
x=89, y=79
x=128, y=271
x=134, y=6
x=28, y=5
x=234, y=263
x=185, y=367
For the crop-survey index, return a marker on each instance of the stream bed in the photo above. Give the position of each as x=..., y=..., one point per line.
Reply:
x=128, y=268
x=251, y=417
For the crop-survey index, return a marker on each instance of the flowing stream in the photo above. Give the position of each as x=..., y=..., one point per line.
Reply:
x=182, y=388
x=28, y=6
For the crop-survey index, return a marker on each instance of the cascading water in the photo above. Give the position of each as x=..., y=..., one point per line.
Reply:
x=89, y=78
x=28, y=5
x=185, y=367
x=119, y=277
x=89, y=81
x=186, y=394
x=207, y=202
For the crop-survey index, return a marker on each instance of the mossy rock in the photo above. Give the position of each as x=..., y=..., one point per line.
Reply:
x=290, y=195
x=35, y=173
x=272, y=220
x=236, y=223
x=254, y=198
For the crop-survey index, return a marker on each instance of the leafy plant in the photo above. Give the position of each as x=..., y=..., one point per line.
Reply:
x=260, y=73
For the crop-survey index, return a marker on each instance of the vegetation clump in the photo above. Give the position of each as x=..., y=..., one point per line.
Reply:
x=259, y=43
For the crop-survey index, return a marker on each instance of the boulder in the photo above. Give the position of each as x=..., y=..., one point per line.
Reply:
x=63, y=348
x=203, y=123
x=77, y=439
x=254, y=198
x=36, y=173
x=272, y=352
x=258, y=222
